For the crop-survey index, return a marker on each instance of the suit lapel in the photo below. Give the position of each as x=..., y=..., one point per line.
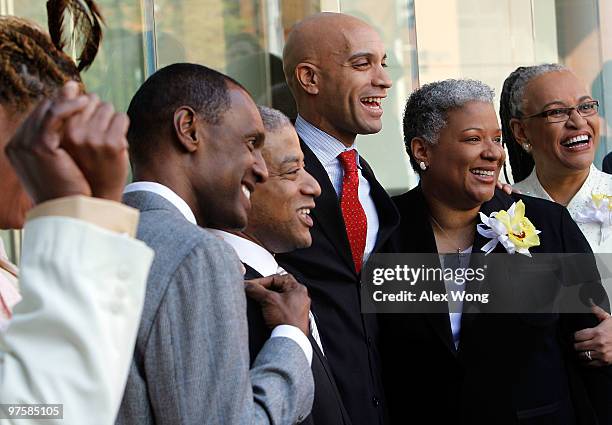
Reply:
x=423, y=240
x=327, y=212
x=471, y=310
x=388, y=217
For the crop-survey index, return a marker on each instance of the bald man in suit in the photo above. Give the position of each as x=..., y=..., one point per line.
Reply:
x=335, y=68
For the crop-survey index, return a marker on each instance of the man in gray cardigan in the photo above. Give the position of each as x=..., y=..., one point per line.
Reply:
x=195, y=144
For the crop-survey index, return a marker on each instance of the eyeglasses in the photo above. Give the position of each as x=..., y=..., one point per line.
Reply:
x=585, y=109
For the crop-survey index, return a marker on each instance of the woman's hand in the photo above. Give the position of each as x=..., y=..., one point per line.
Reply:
x=595, y=344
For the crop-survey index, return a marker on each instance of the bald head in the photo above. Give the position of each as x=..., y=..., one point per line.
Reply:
x=334, y=65
x=317, y=37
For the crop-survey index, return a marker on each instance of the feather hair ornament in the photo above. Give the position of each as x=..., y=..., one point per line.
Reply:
x=87, y=24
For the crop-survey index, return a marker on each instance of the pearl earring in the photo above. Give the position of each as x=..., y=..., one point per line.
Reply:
x=526, y=147
x=422, y=165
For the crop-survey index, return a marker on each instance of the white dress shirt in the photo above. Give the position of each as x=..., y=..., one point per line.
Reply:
x=327, y=148
x=265, y=264
x=287, y=331
x=597, y=182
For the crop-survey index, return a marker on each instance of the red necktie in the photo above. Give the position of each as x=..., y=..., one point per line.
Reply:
x=355, y=219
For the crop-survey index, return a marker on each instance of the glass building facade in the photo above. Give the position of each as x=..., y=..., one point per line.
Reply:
x=426, y=40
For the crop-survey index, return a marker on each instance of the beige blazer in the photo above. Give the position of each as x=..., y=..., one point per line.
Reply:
x=71, y=338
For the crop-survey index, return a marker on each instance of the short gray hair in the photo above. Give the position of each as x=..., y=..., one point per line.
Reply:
x=523, y=76
x=426, y=110
x=273, y=119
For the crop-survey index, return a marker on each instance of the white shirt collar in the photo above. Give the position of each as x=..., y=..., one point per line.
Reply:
x=250, y=253
x=164, y=192
x=325, y=147
x=531, y=186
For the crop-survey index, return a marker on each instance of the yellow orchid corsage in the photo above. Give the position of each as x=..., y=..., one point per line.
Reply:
x=510, y=228
x=599, y=211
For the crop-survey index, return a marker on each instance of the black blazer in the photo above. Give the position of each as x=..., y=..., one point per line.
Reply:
x=508, y=369
x=349, y=337
x=327, y=408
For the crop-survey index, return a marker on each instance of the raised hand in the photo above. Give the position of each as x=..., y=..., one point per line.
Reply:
x=73, y=145
x=96, y=140
x=46, y=170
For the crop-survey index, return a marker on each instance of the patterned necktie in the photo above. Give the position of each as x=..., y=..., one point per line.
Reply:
x=354, y=216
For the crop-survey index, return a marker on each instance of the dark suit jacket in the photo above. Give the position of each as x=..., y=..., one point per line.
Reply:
x=327, y=408
x=509, y=369
x=349, y=337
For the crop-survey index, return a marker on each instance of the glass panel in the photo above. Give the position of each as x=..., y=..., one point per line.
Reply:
x=584, y=47
x=232, y=40
x=394, y=20
x=243, y=38
x=119, y=68
x=487, y=39
x=604, y=78
x=483, y=39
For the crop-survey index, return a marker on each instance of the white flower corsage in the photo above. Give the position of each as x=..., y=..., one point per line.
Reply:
x=598, y=210
x=510, y=228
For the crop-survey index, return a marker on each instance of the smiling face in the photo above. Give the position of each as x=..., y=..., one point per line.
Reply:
x=14, y=201
x=352, y=80
x=230, y=164
x=465, y=162
x=280, y=214
x=562, y=147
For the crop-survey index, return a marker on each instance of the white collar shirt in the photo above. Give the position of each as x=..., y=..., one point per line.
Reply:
x=597, y=182
x=327, y=148
x=166, y=193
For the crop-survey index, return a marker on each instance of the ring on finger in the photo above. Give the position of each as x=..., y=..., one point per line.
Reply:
x=588, y=355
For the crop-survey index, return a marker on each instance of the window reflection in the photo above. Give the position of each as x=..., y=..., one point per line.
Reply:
x=426, y=41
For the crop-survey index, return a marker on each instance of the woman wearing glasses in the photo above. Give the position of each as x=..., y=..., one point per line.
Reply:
x=550, y=127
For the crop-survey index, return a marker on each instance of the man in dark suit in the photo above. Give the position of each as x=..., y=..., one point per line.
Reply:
x=335, y=68
x=195, y=142
x=279, y=221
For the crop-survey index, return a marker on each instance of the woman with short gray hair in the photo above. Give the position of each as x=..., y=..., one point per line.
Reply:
x=426, y=109
x=446, y=367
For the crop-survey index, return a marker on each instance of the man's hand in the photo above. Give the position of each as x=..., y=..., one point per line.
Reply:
x=597, y=341
x=43, y=166
x=284, y=301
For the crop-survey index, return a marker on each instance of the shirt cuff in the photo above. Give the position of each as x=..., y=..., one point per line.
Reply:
x=294, y=333
x=109, y=215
